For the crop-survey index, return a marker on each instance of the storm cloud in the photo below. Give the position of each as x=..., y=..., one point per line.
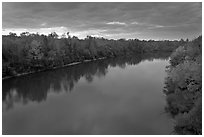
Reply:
x=109, y=20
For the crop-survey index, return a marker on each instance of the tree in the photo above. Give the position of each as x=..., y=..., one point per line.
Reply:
x=184, y=88
x=53, y=35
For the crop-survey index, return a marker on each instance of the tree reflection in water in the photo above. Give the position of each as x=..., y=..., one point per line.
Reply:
x=35, y=87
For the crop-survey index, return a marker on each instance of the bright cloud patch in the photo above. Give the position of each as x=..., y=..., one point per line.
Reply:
x=91, y=32
x=135, y=23
x=117, y=23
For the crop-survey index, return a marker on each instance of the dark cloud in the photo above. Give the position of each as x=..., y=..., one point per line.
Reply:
x=111, y=20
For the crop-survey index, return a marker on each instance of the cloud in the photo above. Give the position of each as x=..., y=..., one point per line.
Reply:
x=116, y=23
x=132, y=35
x=43, y=24
x=91, y=32
x=135, y=23
x=161, y=19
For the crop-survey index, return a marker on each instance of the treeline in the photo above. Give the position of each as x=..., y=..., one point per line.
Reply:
x=184, y=87
x=33, y=52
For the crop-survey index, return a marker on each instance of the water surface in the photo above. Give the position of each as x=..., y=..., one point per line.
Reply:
x=111, y=96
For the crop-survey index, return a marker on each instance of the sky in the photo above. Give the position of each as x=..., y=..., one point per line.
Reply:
x=127, y=20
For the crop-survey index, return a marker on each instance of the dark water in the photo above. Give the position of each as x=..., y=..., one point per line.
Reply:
x=111, y=96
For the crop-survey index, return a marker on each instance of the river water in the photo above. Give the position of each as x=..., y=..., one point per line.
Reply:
x=111, y=96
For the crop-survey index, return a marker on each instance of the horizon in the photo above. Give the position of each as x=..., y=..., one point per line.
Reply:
x=61, y=36
x=110, y=20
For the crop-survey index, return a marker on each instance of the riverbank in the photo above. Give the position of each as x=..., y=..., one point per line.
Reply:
x=31, y=53
x=184, y=88
x=70, y=64
x=148, y=54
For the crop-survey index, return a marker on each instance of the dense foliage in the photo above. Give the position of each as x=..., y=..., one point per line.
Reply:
x=33, y=52
x=184, y=87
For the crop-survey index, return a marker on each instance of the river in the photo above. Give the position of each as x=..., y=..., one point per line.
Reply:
x=111, y=96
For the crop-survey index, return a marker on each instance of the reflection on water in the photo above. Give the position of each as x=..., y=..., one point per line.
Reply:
x=29, y=94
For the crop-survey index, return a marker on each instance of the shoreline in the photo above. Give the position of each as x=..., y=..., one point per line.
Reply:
x=66, y=65
x=70, y=64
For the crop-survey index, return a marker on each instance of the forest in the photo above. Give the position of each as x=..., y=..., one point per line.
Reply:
x=184, y=87
x=33, y=52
